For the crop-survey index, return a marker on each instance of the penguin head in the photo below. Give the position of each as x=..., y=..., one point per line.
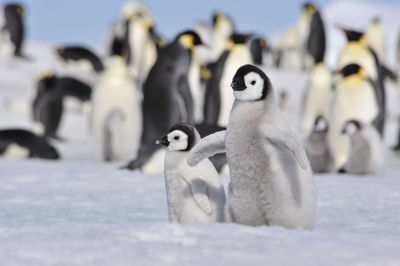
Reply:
x=352, y=69
x=140, y=14
x=351, y=127
x=181, y=137
x=15, y=9
x=222, y=20
x=250, y=84
x=189, y=39
x=354, y=36
x=237, y=38
x=321, y=124
x=309, y=8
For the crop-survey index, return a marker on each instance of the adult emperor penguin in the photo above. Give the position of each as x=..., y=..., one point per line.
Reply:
x=47, y=106
x=366, y=152
x=194, y=194
x=219, y=99
x=317, y=98
x=358, y=52
x=117, y=117
x=80, y=55
x=318, y=147
x=311, y=33
x=139, y=40
x=12, y=30
x=20, y=143
x=287, y=53
x=223, y=28
x=375, y=38
x=271, y=179
x=257, y=48
x=166, y=94
x=355, y=98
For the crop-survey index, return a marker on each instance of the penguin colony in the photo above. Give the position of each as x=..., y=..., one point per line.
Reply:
x=202, y=102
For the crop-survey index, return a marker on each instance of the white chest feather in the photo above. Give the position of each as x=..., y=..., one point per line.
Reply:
x=14, y=151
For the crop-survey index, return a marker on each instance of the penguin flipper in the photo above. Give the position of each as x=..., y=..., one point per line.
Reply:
x=288, y=140
x=207, y=147
x=199, y=192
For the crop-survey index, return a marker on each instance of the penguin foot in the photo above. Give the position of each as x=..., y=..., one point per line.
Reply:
x=132, y=165
x=342, y=170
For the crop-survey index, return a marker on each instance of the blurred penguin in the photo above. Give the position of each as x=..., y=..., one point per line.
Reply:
x=397, y=146
x=311, y=33
x=358, y=52
x=47, y=107
x=205, y=52
x=287, y=53
x=12, y=30
x=81, y=57
x=117, y=117
x=355, y=98
x=318, y=147
x=317, y=96
x=222, y=30
x=219, y=97
x=21, y=144
x=167, y=98
x=139, y=40
x=258, y=47
x=375, y=38
x=366, y=153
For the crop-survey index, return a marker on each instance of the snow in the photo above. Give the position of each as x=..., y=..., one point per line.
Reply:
x=81, y=212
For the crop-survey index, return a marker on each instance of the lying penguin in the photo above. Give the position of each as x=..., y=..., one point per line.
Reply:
x=195, y=194
x=19, y=143
x=366, y=150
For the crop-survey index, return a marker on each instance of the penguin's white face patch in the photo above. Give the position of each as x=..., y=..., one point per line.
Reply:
x=178, y=141
x=254, y=88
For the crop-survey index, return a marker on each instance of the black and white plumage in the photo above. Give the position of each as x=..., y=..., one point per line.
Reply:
x=194, y=194
x=318, y=147
x=12, y=30
x=166, y=94
x=366, y=152
x=271, y=180
x=258, y=46
x=80, y=53
x=20, y=143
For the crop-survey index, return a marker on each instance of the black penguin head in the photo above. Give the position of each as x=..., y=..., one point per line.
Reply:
x=237, y=38
x=117, y=47
x=309, y=7
x=376, y=20
x=47, y=81
x=219, y=19
x=353, y=35
x=15, y=9
x=351, y=127
x=189, y=39
x=321, y=124
x=352, y=69
x=250, y=84
x=180, y=137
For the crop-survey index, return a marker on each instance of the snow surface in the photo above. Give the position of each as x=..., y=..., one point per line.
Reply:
x=81, y=212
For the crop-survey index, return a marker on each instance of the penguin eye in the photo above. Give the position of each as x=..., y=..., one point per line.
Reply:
x=253, y=82
x=176, y=138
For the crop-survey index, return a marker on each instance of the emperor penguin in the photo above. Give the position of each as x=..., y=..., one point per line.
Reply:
x=287, y=53
x=117, y=116
x=47, y=107
x=80, y=55
x=318, y=96
x=366, y=153
x=20, y=143
x=318, y=147
x=223, y=28
x=375, y=38
x=167, y=97
x=311, y=34
x=140, y=41
x=12, y=30
x=271, y=179
x=219, y=99
x=194, y=194
x=355, y=98
x=358, y=52
x=258, y=46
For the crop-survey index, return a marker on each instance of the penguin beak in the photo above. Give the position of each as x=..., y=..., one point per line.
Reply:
x=237, y=85
x=164, y=141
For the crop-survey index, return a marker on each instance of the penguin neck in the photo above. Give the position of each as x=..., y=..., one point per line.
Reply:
x=117, y=65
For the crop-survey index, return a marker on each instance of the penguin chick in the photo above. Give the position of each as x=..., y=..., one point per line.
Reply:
x=318, y=148
x=194, y=194
x=366, y=153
